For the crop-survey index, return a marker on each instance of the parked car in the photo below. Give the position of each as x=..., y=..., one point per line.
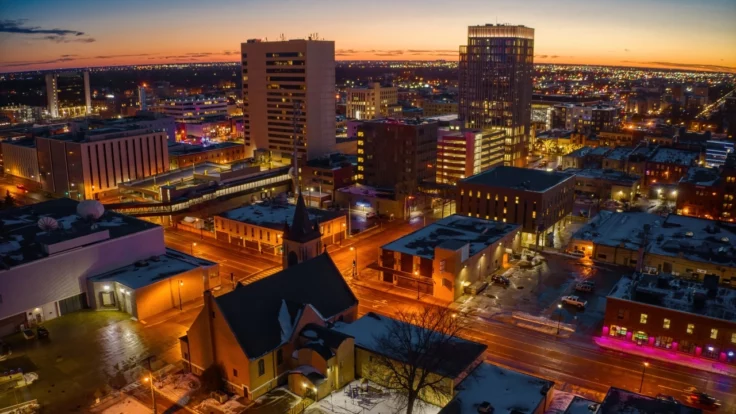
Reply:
x=370, y=215
x=576, y=253
x=476, y=288
x=585, y=286
x=574, y=301
x=42, y=332
x=28, y=333
x=21, y=187
x=667, y=398
x=704, y=399
x=501, y=280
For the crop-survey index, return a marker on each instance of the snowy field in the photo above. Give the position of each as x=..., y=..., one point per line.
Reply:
x=368, y=398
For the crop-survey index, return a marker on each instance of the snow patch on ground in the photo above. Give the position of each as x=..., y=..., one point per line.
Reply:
x=366, y=398
x=232, y=406
x=128, y=405
x=177, y=386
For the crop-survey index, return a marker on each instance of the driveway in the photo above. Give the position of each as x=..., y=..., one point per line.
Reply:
x=87, y=352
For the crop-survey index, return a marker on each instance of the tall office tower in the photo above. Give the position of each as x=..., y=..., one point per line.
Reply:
x=288, y=93
x=373, y=101
x=68, y=94
x=496, y=84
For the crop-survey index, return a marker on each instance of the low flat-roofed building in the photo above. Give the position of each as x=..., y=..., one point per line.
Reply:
x=708, y=193
x=185, y=155
x=696, y=318
x=20, y=159
x=445, y=257
x=371, y=329
x=687, y=247
x=154, y=285
x=48, y=251
x=261, y=226
x=499, y=390
x=619, y=401
x=540, y=201
x=669, y=165
x=364, y=199
x=605, y=184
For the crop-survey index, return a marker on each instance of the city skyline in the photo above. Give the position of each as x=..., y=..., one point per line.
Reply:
x=48, y=35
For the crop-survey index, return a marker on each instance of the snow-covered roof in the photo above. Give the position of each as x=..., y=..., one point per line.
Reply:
x=674, y=156
x=619, y=153
x=523, y=179
x=23, y=241
x=608, y=175
x=452, y=232
x=273, y=214
x=690, y=238
x=580, y=152
x=620, y=401
x=600, y=151
x=702, y=176
x=682, y=295
x=505, y=390
x=370, y=329
x=155, y=269
x=367, y=191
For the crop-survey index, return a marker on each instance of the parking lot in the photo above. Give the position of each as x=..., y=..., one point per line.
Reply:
x=537, y=291
x=87, y=353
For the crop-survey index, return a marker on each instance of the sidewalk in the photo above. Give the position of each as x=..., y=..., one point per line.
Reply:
x=674, y=357
x=366, y=282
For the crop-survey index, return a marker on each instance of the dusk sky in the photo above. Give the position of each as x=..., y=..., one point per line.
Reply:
x=48, y=34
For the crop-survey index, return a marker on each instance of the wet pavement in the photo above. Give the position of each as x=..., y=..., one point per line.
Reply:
x=538, y=290
x=88, y=354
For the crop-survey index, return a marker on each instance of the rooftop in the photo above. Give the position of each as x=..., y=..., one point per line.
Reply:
x=507, y=391
x=518, y=178
x=262, y=315
x=23, y=240
x=453, y=233
x=273, y=214
x=674, y=156
x=155, y=269
x=599, y=151
x=555, y=133
x=619, y=401
x=666, y=291
x=401, y=121
x=370, y=329
x=332, y=161
x=580, y=152
x=610, y=175
x=367, y=191
x=702, y=176
x=619, y=153
x=690, y=238
x=186, y=149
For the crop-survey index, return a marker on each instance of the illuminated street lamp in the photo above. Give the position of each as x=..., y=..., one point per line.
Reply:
x=643, y=371
x=355, y=261
x=153, y=393
x=559, y=317
x=193, y=245
x=181, y=283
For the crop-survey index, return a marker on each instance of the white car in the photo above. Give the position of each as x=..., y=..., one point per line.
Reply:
x=574, y=301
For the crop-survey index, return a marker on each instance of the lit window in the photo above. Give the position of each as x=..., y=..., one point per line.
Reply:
x=713, y=333
x=733, y=338
x=666, y=324
x=534, y=214
x=690, y=328
x=643, y=318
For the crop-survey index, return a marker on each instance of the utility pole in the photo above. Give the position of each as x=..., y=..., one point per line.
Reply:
x=150, y=378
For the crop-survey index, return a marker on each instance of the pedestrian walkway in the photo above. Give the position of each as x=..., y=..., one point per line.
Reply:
x=663, y=355
x=367, y=281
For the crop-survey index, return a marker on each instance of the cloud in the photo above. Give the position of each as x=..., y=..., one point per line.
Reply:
x=691, y=66
x=230, y=52
x=541, y=56
x=18, y=26
x=119, y=56
x=627, y=50
x=62, y=58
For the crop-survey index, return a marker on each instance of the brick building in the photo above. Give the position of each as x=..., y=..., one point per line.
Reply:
x=708, y=193
x=185, y=155
x=540, y=201
x=695, y=318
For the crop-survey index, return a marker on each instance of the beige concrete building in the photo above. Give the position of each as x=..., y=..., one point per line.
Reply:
x=444, y=258
x=20, y=159
x=374, y=101
x=288, y=83
x=462, y=153
x=91, y=164
x=438, y=108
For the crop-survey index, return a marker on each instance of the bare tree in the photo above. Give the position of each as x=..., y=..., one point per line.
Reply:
x=420, y=355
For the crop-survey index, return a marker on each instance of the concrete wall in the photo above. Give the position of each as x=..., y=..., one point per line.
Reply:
x=65, y=274
x=20, y=161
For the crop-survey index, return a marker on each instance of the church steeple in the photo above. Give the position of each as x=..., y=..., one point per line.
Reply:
x=302, y=240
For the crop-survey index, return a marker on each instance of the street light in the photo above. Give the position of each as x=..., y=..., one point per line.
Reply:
x=193, y=245
x=153, y=393
x=181, y=283
x=355, y=261
x=643, y=370
x=559, y=317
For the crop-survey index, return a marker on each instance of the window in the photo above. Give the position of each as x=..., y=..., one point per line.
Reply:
x=714, y=333
x=261, y=367
x=733, y=338
x=279, y=357
x=620, y=313
x=666, y=323
x=235, y=372
x=690, y=328
x=643, y=318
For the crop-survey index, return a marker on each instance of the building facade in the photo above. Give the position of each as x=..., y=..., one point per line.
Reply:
x=20, y=159
x=373, y=101
x=462, y=153
x=439, y=108
x=185, y=155
x=68, y=94
x=397, y=153
x=93, y=163
x=708, y=193
x=495, y=84
x=327, y=174
x=287, y=85
x=540, y=201
x=194, y=108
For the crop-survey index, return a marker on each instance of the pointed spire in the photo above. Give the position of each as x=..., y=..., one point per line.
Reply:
x=302, y=229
